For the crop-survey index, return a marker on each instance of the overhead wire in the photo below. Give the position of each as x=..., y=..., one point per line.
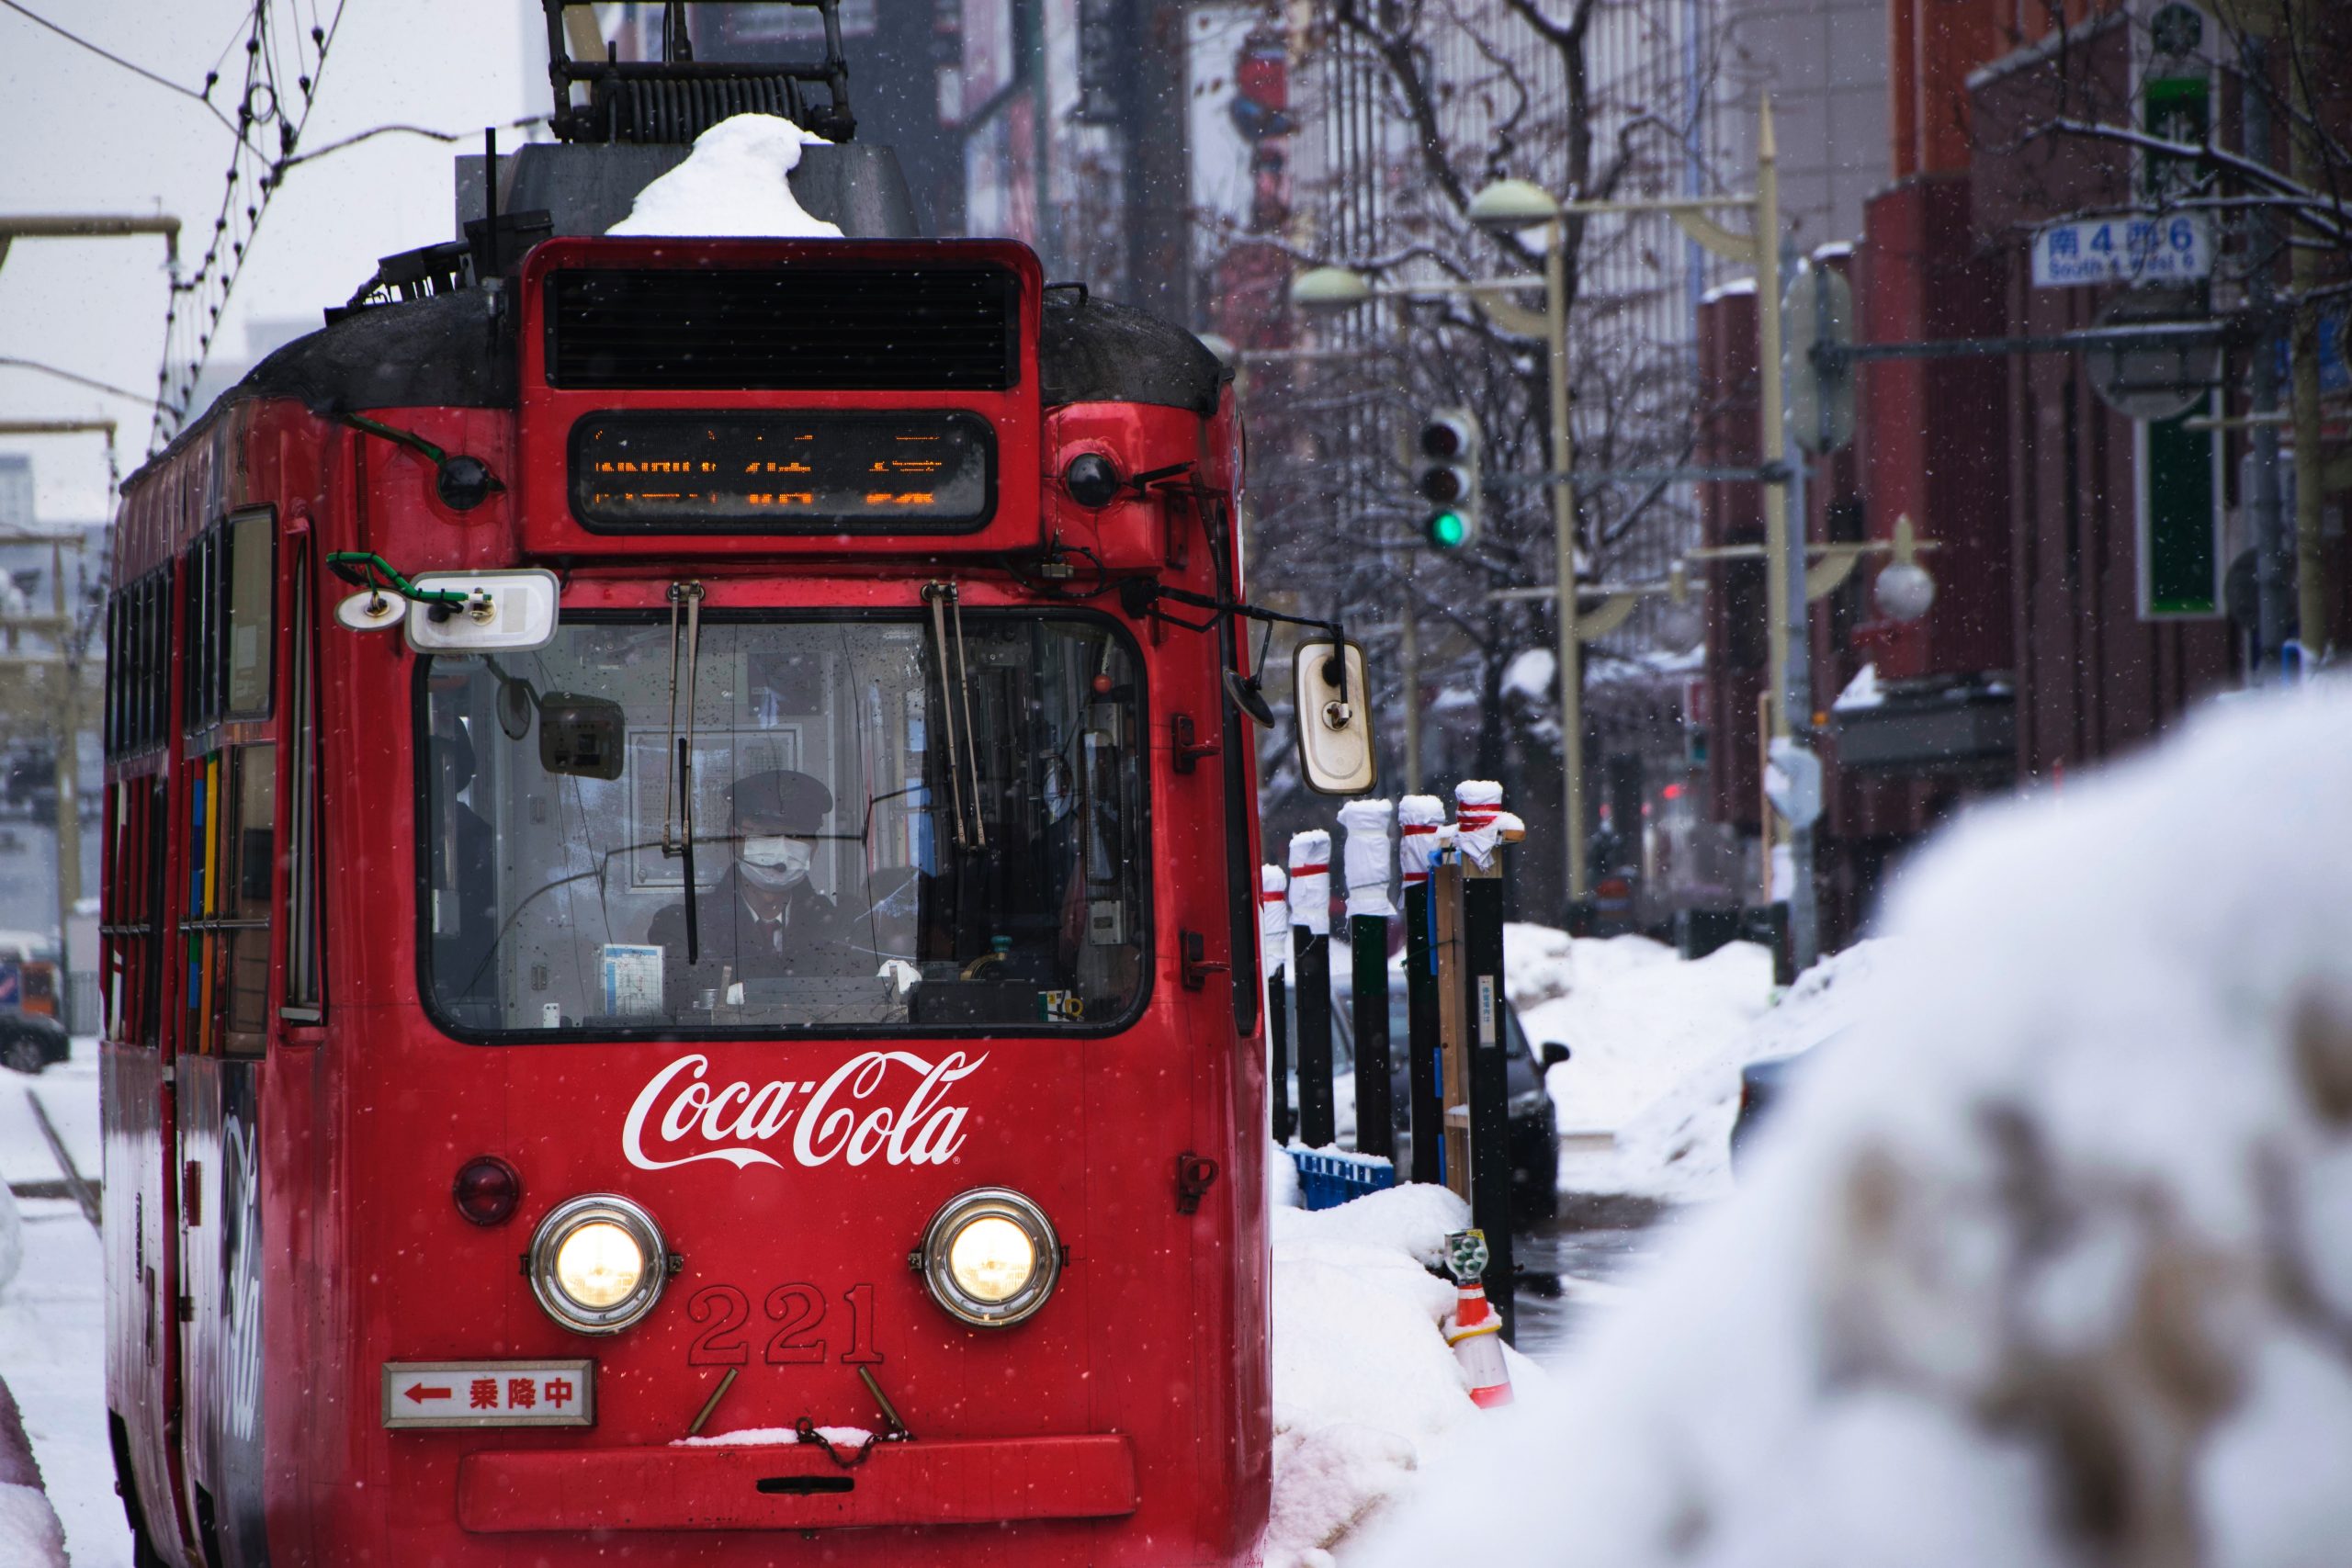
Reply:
x=113, y=59
x=192, y=317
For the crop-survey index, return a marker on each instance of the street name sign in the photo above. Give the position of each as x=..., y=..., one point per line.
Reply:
x=2133, y=248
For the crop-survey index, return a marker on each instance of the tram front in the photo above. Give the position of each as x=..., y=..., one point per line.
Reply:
x=816, y=1091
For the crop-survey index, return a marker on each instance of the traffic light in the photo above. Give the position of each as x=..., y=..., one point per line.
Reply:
x=1447, y=478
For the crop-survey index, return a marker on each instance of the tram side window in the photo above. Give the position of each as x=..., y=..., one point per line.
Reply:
x=133, y=898
x=248, y=857
x=232, y=803
x=136, y=665
x=230, y=580
x=303, y=991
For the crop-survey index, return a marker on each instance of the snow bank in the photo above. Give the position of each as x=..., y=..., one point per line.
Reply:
x=734, y=184
x=12, y=1238
x=1632, y=1014
x=2052, y=1261
x=30, y=1535
x=1365, y=1391
x=1677, y=1148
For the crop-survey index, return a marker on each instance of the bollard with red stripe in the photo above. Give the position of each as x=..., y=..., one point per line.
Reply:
x=1310, y=958
x=1273, y=942
x=1475, y=1333
x=1417, y=818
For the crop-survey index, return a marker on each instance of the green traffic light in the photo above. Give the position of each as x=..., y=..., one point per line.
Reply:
x=1448, y=529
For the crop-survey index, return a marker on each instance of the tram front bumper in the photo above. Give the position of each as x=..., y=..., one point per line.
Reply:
x=796, y=1486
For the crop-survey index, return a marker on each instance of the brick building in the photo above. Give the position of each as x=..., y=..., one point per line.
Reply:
x=2048, y=647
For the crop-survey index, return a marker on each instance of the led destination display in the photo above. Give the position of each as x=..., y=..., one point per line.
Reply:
x=761, y=472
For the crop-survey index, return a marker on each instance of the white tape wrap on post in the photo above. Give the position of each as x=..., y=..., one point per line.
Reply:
x=1273, y=916
x=1311, y=881
x=1418, y=816
x=1477, y=818
x=1364, y=858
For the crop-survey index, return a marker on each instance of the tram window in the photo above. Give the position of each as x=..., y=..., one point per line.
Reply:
x=230, y=582
x=135, y=666
x=829, y=799
x=303, y=995
x=250, y=580
x=247, y=859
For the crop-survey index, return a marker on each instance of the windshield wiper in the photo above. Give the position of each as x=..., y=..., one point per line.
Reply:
x=954, y=692
x=690, y=595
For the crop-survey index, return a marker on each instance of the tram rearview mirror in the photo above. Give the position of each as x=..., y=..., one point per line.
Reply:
x=506, y=612
x=581, y=736
x=1333, y=704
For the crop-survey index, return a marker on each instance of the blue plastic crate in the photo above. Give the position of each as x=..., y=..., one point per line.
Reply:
x=1326, y=1180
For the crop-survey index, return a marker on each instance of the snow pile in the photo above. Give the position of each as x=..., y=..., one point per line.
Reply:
x=31, y=1536
x=1365, y=1391
x=1678, y=1147
x=12, y=1238
x=1638, y=1022
x=735, y=183
x=1539, y=965
x=2051, y=1262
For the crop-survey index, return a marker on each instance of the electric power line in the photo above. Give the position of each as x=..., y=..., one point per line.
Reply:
x=111, y=58
x=79, y=380
x=193, y=315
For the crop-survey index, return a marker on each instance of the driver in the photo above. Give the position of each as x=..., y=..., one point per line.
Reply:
x=763, y=920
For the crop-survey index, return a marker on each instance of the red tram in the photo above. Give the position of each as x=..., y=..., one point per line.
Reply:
x=740, y=928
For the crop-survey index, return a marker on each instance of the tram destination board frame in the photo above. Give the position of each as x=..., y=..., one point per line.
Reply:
x=783, y=471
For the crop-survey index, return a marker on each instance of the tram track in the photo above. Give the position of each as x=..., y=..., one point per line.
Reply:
x=75, y=1186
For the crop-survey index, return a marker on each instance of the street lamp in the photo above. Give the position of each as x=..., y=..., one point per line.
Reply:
x=1512, y=206
x=1507, y=206
x=1329, y=288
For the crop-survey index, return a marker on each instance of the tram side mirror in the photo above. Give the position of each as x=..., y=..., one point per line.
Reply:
x=581, y=736
x=1555, y=1053
x=1329, y=695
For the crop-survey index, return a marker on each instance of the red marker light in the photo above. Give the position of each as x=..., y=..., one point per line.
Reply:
x=1101, y=685
x=1672, y=792
x=487, y=1190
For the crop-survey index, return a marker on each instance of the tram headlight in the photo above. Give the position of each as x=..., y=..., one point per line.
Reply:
x=598, y=1263
x=989, y=1258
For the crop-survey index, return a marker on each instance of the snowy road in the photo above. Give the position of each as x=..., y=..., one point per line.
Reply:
x=53, y=1316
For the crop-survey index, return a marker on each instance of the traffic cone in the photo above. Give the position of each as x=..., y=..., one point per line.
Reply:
x=1477, y=1336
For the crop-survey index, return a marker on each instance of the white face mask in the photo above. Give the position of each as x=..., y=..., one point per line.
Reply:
x=773, y=861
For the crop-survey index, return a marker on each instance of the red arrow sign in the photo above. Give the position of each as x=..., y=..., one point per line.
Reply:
x=420, y=1393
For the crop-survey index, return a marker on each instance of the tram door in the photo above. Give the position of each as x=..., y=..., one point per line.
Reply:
x=227, y=811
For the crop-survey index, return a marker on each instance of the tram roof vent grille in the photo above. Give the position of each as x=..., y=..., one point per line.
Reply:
x=787, y=329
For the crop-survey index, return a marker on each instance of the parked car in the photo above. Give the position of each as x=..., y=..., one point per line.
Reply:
x=1762, y=1086
x=1534, y=1121
x=31, y=1042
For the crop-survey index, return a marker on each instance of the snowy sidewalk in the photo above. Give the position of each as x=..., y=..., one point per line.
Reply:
x=53, y=1316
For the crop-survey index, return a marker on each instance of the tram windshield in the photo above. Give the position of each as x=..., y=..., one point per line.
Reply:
x=871, y=848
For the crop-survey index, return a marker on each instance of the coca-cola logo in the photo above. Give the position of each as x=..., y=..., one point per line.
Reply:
x=682, y=1116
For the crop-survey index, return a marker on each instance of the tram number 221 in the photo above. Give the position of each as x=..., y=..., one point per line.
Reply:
x=798, y=1312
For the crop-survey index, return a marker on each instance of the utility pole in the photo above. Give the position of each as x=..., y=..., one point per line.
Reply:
x=2311, y=559
x=66, y=659
x=2274, y=554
